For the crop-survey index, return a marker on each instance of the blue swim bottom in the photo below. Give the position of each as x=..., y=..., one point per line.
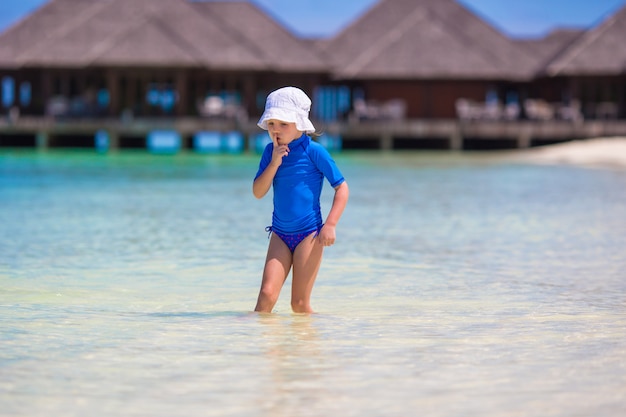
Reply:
x=292, y=240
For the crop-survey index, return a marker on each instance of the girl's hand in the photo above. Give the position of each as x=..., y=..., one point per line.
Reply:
x=327, y=235
x=279, y=152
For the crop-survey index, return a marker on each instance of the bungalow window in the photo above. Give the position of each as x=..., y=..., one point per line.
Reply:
x=25, y=94
x=103, y=98
x=162, y=96
x=8, y=91
x=260, y=101
x=331, y=103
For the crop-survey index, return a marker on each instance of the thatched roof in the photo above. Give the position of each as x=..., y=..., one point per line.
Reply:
x=409, y=39
x=394, y=39
x=544, y=50
x=233, y=35
x=599, y=51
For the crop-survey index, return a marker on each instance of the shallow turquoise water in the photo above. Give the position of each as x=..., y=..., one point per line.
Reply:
x=461, y=284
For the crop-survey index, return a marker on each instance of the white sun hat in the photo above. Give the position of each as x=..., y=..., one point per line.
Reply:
x=288, y=104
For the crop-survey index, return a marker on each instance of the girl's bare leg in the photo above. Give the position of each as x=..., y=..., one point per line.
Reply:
x=277, y=265
x=307, y=259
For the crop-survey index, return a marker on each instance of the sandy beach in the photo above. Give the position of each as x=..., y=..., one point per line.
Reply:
x=595, y=152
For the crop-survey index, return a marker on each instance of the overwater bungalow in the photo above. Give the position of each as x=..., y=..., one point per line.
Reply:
x=593, y=68
x=432, y=53
x=427, y=54
x=426, y=72
x=150, y=57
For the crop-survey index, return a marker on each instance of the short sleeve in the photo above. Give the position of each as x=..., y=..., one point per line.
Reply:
x=325, y=163
x=266, y=158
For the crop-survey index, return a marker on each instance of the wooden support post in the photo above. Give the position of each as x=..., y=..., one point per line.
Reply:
x=182, y=107
x=46, y=91
x=456, y=140
x=525, y=137
x=523, y=140
x=42, y=140
x=114, y=140
x=386, y=142
x=249, y=95
x=112, y=81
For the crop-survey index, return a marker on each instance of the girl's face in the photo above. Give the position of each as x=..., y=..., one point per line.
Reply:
x=282, y=133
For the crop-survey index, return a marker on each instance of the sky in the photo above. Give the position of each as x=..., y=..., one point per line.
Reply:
x=325, y=18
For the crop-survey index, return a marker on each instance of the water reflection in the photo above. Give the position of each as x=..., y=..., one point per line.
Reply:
x=298, y=364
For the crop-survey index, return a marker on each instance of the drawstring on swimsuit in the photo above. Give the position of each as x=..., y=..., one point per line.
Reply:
x=269, y=231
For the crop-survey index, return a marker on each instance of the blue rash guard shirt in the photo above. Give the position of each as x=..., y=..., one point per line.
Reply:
x=298, y=185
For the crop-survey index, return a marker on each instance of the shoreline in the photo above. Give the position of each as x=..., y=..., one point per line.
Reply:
x=601, y=152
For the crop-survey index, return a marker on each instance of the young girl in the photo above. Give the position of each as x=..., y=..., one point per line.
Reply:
x=296, y=167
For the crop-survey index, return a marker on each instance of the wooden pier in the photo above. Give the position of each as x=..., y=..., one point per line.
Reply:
x=43, y=133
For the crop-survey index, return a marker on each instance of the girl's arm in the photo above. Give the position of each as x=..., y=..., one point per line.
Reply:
x=327, y=235
x=262, y=184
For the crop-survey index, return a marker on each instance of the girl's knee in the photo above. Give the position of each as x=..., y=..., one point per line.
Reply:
x=300, y=305
x=266, y=301
x=269, y=295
